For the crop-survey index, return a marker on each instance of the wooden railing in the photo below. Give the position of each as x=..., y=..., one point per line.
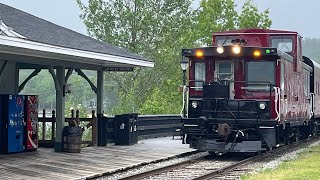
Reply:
x=47, y=127
x=149, y=126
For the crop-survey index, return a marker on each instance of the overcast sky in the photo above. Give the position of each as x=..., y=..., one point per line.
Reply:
x=285, y=14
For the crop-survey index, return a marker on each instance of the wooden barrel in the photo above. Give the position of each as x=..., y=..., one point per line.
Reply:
x=72, y=144
x=72, y=140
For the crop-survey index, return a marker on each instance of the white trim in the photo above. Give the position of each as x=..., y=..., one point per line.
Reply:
x=9, y=31
x=45, y=48
x=315, y=64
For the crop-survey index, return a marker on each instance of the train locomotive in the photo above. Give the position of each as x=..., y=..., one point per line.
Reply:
x=251, y=91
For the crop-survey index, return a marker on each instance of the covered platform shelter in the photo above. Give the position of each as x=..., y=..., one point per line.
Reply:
x=29, y=42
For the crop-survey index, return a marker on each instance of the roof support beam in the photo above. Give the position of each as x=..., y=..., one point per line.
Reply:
x=68, y=74
x=2, y=68
x=80, y=73
x=33, y=74
x=55, y=79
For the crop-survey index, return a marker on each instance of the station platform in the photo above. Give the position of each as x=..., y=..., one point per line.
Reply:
x=91, y=162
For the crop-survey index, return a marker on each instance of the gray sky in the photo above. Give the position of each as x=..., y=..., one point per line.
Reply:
x=285, y=14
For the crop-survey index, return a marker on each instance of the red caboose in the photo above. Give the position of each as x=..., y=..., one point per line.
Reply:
x=251, y=91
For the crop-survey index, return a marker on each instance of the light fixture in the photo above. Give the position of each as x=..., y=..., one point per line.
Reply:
x=262, y=106
x=220, y=50
x=199, y=53
x=256, y=53
x=184, y=65
x=236, y=49
x=268, y=51
x=194, y=104
x=67, y=89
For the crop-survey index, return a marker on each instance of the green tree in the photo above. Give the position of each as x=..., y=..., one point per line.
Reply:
x=41, y=85
x=215, y=15
x=154, y=29
x=221, y=15
x=250, y=17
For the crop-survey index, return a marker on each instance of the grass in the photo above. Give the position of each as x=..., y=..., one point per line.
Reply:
x=306, y=166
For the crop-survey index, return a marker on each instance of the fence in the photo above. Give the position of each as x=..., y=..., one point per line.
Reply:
x=47, y=127
x=149, y=126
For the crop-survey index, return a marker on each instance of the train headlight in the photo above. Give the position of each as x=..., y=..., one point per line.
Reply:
x=199, y=54
x=194, y=104
x=236, y=49
x=262, y=106
x=220, y=50
x=256, y=53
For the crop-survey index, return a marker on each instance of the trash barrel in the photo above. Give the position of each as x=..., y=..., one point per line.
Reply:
x=126, y=129
x=72, y=139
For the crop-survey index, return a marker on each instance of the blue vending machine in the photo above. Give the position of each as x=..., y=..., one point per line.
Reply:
x=11, y=123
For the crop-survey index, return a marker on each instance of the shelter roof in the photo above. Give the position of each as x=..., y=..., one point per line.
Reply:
x=24, y=32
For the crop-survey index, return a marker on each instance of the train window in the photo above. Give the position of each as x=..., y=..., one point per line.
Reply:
x=282, y=43
x=306, y=84
x=308, y=88
x=199, y=75
x=225, y=71
x=259, y=73
x=224, y=40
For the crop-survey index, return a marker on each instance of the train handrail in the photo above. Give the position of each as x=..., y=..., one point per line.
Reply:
x=277, y=98
x=312, y=104
x=195, y=87
x=184, y=94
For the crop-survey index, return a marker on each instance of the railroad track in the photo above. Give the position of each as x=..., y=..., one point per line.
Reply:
x=216, y=167
x=187, y=169
x=234, y=171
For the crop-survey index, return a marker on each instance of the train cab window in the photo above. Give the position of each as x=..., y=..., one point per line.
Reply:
x=282, y=43
x=225, y=71
x=307, y=84
x=224, y=40
x=260, y=74
x=199, y=75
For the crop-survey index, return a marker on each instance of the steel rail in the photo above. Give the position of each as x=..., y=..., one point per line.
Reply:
x=162, y=169
x=244, y=162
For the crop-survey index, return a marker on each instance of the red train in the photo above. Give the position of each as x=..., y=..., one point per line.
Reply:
x=253, y=90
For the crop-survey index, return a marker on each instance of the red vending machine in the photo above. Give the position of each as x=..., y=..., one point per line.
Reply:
x=31, y=120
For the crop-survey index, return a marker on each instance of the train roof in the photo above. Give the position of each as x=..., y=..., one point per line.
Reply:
x=255, y=31
x=313, y=63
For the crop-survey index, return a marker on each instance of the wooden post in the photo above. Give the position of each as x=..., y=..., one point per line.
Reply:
x=60, y=106
x=53, y=125
x=77, y=120
x=93, y=123
x=44, y=125
x=72, y=113
x=101, y=128
x=94, y=129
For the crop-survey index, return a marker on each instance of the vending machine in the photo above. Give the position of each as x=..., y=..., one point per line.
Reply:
x=11, y=123
x=31, y=122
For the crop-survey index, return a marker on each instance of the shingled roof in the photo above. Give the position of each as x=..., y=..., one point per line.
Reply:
x=38, y=30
